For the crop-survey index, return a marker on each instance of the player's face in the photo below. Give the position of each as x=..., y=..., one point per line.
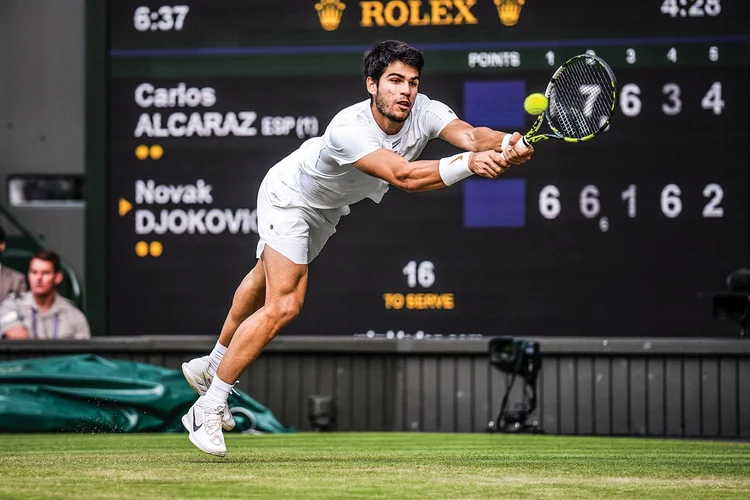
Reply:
x=396, y=91
x=42, y=277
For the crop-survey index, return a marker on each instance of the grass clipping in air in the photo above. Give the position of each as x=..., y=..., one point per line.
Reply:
x=371, y=466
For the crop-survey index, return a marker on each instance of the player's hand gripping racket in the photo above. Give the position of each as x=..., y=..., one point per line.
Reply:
x=582, y=97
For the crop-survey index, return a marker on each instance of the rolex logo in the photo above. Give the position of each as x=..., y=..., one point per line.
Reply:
x=329, y=12
x=509, y=11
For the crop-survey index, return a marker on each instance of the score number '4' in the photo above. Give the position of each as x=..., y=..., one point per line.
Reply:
x=630, y=102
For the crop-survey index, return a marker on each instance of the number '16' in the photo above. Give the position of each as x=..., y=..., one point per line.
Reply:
x=422, y=273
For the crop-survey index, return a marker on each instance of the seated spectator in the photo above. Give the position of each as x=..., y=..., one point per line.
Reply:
x=11, y=281
x=42, y=313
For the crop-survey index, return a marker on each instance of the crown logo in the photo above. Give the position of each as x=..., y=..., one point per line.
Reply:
x=509, y=11
x=330, y=12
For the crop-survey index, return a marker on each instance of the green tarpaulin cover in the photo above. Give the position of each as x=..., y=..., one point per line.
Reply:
x=88, y=393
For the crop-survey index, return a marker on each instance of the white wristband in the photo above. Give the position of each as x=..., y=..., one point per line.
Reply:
x=455, y=168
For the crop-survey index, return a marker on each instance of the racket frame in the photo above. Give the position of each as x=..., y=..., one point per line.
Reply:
x=530, y=138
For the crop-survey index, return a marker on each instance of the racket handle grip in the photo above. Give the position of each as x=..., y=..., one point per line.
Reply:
x=525, y=142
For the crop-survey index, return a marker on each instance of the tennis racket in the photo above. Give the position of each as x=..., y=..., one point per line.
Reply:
x=582, y=98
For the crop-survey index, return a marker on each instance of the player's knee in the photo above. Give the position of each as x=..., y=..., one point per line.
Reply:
x=290, y=309
x=285, y=310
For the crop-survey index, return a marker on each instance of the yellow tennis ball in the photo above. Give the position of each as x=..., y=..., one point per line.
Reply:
x=536, y=104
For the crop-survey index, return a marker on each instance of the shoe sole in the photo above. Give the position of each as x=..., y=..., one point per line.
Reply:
x=191, y=380
x=186, y=425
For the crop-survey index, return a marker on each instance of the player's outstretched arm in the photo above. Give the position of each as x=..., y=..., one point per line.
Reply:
x=464, y=136
x=426, y=175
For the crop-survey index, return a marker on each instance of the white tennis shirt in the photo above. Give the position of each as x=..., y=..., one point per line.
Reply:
x=322, y=168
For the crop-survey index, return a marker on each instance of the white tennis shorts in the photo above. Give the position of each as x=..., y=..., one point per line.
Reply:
x=289, y=225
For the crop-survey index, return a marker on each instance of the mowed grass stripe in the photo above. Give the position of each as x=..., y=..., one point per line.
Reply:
x=382, y=465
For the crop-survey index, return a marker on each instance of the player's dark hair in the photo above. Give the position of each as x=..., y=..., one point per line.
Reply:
x=49, y=256
x=384, y=53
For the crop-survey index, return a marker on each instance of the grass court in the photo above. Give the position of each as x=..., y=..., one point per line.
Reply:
x=372, y=465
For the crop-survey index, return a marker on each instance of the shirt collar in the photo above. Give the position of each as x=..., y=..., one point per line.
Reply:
x=55, y=307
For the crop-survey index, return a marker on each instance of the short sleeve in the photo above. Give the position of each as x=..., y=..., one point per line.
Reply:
x=348, y=144
x=435, y=116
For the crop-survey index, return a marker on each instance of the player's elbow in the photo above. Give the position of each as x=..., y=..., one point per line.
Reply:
x=403, y=180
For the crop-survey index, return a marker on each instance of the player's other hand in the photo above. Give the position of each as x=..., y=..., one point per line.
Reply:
x=516, y=153
x=488, y=164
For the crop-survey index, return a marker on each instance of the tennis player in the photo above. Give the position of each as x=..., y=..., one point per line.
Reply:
x=366, y=148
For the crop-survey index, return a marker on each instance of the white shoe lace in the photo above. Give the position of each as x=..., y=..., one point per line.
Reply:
x=212, y=418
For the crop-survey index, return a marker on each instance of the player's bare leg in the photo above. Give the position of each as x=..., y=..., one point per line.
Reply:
x=248, y=298
x=286, y=284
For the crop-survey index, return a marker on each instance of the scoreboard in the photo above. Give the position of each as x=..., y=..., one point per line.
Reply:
x=619, y=236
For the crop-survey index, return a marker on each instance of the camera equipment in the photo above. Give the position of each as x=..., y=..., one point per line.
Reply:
x=516, y=357
x=320, y=412
x=735, y=304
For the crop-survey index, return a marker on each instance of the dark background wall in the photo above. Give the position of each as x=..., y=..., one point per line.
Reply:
x=640, y=387
x=42, y=125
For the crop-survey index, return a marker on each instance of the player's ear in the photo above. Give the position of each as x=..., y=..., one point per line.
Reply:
x=58, y=278
x=372, y=86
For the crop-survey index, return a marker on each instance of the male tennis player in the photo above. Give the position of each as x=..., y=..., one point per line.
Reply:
x=366, y=148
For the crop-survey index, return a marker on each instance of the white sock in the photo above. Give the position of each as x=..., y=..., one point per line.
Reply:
x=218, y=392
x=216, y=356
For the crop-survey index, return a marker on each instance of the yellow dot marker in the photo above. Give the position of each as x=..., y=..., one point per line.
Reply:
x=141, y=249
x=141, y=152
x=156, y=152
x=156, y=248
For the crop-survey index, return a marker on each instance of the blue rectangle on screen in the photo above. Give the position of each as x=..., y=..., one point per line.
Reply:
x=495, y=104
x=494, y=203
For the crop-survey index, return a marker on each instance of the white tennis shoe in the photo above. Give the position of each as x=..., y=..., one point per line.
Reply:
x=197, y=375
x=203, y=423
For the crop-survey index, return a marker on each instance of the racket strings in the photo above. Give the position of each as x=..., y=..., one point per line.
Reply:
x=581, y=99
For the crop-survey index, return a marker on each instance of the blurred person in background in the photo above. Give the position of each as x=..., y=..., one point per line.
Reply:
x=42, y=313
x=12, y=282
